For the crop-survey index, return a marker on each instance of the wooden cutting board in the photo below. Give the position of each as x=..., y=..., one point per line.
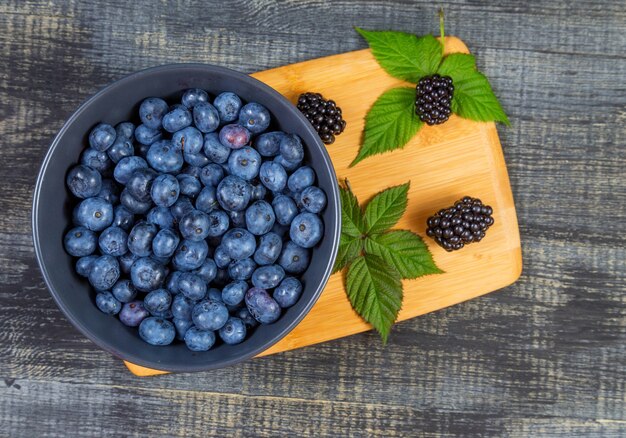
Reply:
x=443, y=163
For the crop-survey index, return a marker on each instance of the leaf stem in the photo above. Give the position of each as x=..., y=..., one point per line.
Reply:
x=441, y=30
x=347, y=181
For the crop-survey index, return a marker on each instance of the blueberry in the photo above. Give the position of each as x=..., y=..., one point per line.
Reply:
x=244, y=163
x=178, y=118
x=188, y=139
x=126, y=262
x=228, y=105
x=140, y=183
x=107, y=303
x=294, y=259
x=171, y=282
x=112, y=241
x=313, y=199
x=94, y=213
x=194, y=225
x=194, y=96
x=268, y=249
x=234, y=136
x=126, y=167
x=147, y=136
x=198, y=160
x=192, y=286
x=133, y=313
x=221, y=257
x=124, y=130
x=165, y=243
x=209, y=315
x=80, y=242
x=206, y=117
x=123, y=147
x=268, y=144
x=181, y=207
x=255, y=117
x=97, y=160
x=161, y=217
x=84, y=181
x=199, y=340
x=273, y=176
x=151, y=112
x=190, y=255
x=288, y=292
x=301, y=179
x=207, y=199
x=105, y=271
x=147, y=274
x=262, y=306
x=214, y=294
x=164, y=157
x=124, y=291
x=291, y=148
x=281, y=230
x=165, y=190
x=289, y=166
x=189, y=185
x=241, y=269
x=140, y=239
x=258, y=191
x=211, y=174
x=306, y=230
x=182, y=307
x=285, y=209
x=110, y=191
x=102, y=137
x=157, y=301
x=123, y=218
x=192, y=170
x=207, y=271
x=233, y=332
x=83, y=265
x=244, y=314
x=157, y=331
x=214, y=149
x=237, y=219
x=260, y=218
x=134, y=205
x=233, y=193
x=239, y=243
x=233, y=293
x=181, y=325
x=268, y=277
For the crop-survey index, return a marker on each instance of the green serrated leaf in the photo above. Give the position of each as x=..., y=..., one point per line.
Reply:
x=405, y=251
x=349, y=248
x=352, y=219
x=474, y=99
x=390, y=123
x=458, y=66
x=403, y=55
x=375, y=291
x=386, y=208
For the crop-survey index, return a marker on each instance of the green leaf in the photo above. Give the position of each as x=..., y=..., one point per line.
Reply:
x=386, y=208
x=375, y=291
x=403, y=55
x=474, y=99
x=405, y=251
x=352, y=220
x=349, y=248
x=458, y=66
x=390, y=123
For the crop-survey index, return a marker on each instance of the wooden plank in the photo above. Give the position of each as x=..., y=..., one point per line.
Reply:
x=443, y=163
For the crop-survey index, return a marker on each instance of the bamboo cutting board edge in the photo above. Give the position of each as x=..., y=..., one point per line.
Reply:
x=477, y=143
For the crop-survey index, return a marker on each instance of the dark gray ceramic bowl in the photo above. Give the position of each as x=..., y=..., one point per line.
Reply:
x=52, y=208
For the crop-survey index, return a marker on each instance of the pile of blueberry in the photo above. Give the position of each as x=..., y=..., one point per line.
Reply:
x=197, y=223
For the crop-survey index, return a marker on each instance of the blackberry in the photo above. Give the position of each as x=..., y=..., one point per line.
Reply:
x=433, y=98
x=324, y=115
x=465, y=222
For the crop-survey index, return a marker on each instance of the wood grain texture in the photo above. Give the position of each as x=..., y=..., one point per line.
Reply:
x=544, y=357
x=457, y=159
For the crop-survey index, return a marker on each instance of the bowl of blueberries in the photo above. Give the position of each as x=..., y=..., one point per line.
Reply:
x=186, y=217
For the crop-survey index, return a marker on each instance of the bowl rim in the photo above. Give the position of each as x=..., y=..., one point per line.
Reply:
x=334, y=205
